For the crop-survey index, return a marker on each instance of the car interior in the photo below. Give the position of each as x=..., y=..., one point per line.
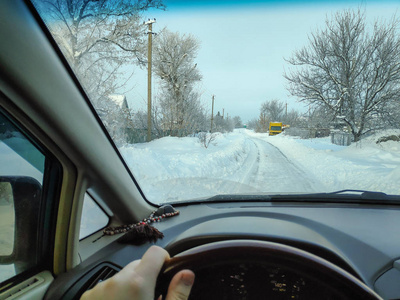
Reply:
x=239, y=247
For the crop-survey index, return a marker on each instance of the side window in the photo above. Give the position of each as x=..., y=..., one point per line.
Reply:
x=7, y=228
x=22, y=168
x=93, y=217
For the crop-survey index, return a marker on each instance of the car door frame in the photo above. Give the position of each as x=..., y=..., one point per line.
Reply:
x=42, y=92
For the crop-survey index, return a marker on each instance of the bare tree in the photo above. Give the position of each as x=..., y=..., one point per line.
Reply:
x=174, y=56
x=237, y=122
x=349, y=69
x=274, y=110
x=293, y=118
x=205, y=138
x=262, y=123
x=252, y=124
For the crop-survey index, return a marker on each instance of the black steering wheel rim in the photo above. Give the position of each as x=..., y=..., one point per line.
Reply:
x=231, y=252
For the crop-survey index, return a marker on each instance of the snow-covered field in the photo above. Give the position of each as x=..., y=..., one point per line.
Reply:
x=173, y=169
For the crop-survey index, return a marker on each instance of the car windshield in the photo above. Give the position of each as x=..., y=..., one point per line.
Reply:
x=188, y=91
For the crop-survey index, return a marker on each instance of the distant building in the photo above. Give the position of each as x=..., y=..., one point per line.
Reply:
x=120, y=101
x=115, y=114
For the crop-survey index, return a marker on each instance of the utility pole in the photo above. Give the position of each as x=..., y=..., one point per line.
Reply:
x=223, y=113
x=286, y=111
x=212, y=113
x=150, y=33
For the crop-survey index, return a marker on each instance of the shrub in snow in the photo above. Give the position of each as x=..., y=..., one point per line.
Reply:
x=206, y=138
x=395, y=138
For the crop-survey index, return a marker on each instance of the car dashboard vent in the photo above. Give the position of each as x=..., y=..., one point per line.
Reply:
x=103, y=274
x=90, y=279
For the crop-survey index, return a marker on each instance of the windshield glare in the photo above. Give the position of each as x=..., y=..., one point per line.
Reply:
x=189, y=92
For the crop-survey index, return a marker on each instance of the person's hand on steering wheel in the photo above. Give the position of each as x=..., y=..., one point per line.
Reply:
x=138, y=280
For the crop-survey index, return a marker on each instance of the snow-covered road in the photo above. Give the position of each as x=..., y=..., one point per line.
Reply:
x=173, y=169
x=244, y=162
x=264, y=168
x=272, y=171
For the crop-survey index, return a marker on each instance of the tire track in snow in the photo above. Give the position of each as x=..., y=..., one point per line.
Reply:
x=236, y=183
x=273, y=172
x=252, y=164
x=263, y=168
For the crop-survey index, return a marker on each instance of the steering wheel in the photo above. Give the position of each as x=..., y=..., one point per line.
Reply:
x=248, y=269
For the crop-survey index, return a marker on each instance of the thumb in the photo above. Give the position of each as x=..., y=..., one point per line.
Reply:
x=180, y=286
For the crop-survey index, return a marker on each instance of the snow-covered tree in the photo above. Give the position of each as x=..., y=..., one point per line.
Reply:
x=139, y=120
x=180, y=118
x=181, y=108
x=222, y=124
x=99, y=38
x=237, y=122
x=351, y=70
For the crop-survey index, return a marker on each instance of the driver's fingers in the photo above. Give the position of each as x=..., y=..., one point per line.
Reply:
x=150, y=264
x=180, y=286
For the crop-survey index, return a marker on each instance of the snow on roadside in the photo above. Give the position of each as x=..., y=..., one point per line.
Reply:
x=173, y=169
x=170, y=159
x=364, y=165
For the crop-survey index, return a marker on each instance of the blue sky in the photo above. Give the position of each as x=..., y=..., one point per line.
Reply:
x=242, y=47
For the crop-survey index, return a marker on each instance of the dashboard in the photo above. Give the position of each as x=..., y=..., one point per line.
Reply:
x=256, y=281
x=252, y=281
x=360, y=239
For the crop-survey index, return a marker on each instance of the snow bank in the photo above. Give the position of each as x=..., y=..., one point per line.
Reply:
x=364, y=165
x=168, y=160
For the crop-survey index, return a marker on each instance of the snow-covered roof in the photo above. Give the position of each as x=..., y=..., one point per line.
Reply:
x=119, y=100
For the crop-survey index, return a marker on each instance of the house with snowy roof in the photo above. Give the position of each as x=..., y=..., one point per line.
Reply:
x=120, y=101
x=115, y=113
